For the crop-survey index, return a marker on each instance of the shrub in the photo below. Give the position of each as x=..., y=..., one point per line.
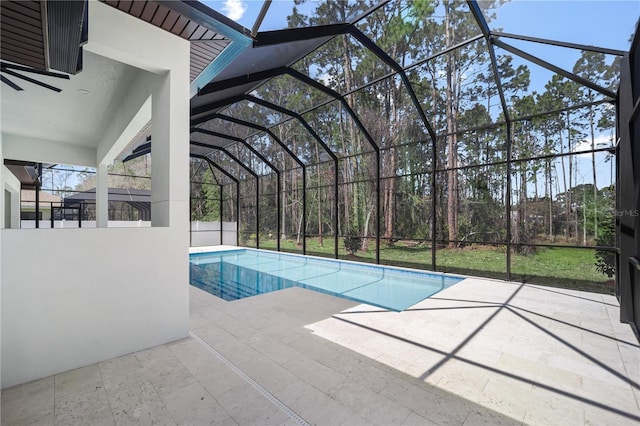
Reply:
x=352, y=243
x=606, y=260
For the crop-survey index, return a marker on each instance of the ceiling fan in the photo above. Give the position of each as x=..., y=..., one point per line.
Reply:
x=7, y=69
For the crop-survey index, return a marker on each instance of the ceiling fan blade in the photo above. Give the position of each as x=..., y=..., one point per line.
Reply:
x=10, y=83
x=31, y=80
x=5, y=65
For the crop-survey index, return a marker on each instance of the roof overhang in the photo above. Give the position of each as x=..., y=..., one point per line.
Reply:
x=25, y=171
x=45, y=35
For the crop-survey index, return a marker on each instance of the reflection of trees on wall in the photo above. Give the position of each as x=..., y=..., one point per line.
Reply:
x=558, y=196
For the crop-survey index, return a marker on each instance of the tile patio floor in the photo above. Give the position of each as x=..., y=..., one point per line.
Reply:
x=480, y=352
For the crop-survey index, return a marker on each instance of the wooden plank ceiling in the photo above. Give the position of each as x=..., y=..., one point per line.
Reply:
x=23, y=40
x=21, y=32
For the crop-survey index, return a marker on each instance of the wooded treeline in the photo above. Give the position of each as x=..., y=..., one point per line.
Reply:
x=561, y=165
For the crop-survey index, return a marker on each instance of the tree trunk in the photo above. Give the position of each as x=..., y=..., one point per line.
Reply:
x=567, y=196
x=283, y=214
x=549, y=193
x=365, y=241
x=319, y=197
x=571, y=185
x=299, y=227
x=593, y=166
x=348, y=78
x=390, y=187
x=452, y=139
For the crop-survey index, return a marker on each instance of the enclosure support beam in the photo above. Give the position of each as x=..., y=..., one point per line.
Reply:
x=257, y=212
x=278, y=209
x=37, y=189
x=227, y=174
x=248, y=170
x=220, y=211
x=477, y=13
x=304, y=211
x=255, y=77
x=376, y=50
x=221, y=214
x=311, y=82
x=328, y=150
x=291, y=154
x=270, y=38
x=263, y=159
x=257, y=178
x=576, y=46
x=319, y=140
x=551, y=67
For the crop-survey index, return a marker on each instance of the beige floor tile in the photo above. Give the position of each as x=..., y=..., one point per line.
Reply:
x=193, y=405
x=315, y=373
x=506, y=396
x=138, y=403
x=441, y=407
x=597, y=416
x=417, y=420
x=552, y=408
x=29, y=403
x=78, y=382
x=215, y=376
x=370, y=405
x=272, y=348
x=349, y=364
x=89, y=406
x=313, y=405
x=264, y=371
x=482, y=416
x=248, y=407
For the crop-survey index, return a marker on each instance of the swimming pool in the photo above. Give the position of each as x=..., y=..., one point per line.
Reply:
x=235, y=274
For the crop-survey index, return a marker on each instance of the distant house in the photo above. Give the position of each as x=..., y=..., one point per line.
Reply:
x=124, y=204
x=28, y=204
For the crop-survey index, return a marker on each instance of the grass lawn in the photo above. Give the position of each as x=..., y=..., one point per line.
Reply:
x=558, y=266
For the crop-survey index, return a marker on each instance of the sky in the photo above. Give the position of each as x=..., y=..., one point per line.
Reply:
x=606, y=23
x=603, y=23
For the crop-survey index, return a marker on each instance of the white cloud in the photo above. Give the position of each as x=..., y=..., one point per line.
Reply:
x=234, y=9
x=601, y=141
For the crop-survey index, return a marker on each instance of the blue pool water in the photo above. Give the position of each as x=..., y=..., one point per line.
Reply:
x=236, y=274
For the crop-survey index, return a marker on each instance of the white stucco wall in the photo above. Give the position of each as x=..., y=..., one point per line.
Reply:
x=17, y=147
x=72, y=297
x=11, y=184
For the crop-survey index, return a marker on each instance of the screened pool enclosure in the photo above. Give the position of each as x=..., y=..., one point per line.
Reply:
x=415, y=133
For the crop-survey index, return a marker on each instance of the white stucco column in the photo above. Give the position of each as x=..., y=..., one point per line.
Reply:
x=10, y=198
x=170, y=152
x=102, y=196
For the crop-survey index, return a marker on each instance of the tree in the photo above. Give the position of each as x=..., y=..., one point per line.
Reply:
x=551, y=127
x=592, y=67
x=524, y=146
x=205, y=193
